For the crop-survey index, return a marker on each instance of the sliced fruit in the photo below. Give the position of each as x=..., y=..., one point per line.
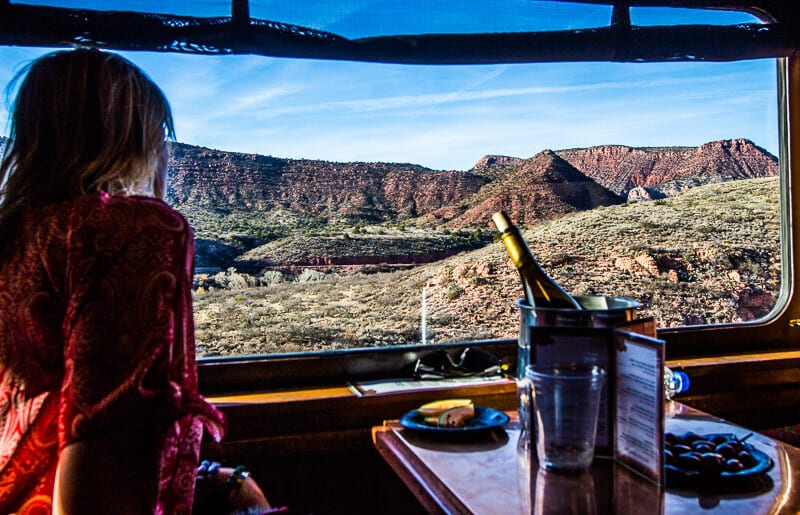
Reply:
x=436, y=408
x=456, y=417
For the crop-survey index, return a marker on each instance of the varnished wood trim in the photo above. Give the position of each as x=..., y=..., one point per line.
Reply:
x=282, y=396
x=764, y=357
x=434, y=496
x=288, y=412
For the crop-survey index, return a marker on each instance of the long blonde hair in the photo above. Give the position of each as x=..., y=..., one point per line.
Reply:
x=83, y=121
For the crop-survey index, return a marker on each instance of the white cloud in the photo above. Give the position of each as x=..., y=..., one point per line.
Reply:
x=259, y=98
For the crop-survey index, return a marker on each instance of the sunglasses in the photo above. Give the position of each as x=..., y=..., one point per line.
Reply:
x=471, y=363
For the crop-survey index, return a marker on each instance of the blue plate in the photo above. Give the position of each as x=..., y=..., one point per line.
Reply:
x=485, y=418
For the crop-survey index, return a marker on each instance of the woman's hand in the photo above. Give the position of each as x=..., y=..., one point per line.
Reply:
x=246, y=496
x=224, y=490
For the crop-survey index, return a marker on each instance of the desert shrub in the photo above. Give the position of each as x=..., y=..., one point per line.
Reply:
x=270, y=277
x=309, y=275
x=230, y=279
x=454, y=291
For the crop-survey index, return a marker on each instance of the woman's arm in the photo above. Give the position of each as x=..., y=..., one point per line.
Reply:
x=128, y=360
x=114, y=472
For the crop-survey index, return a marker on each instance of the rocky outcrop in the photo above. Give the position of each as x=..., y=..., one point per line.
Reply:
x=545, y=186
x=670, y=170
x=495, y=167
x=357, y=250
x=370, y=191
x=494, y=161
x=540, y=188
x=640, y=193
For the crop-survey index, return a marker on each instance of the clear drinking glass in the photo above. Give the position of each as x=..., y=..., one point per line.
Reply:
x=566, y=400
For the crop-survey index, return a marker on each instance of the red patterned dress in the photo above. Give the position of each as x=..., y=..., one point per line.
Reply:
x=96, y=326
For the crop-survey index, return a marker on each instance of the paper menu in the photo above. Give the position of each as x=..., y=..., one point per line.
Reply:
x=639, y=411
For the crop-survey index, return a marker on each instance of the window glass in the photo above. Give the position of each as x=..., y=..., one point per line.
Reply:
x=364, y=18
x=648, y=16
x=342, y=205
x=203, y=8
x=341, y=238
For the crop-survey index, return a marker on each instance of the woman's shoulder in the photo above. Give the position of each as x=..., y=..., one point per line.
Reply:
x=102, y=209
x=131, y=231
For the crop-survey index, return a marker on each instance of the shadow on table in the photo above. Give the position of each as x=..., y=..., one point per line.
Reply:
x=479, y=441
x=709, y=495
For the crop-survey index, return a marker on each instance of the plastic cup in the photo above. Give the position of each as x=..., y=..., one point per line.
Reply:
x=566, y=400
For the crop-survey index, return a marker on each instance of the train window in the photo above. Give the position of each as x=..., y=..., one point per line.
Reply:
x=345, y=205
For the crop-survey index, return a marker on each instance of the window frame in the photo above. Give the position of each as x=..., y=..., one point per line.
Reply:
x=719, y=343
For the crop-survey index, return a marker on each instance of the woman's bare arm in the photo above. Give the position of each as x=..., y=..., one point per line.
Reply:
x=115, y=472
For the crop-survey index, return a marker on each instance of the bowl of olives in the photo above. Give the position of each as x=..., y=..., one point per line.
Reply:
x=711, y=458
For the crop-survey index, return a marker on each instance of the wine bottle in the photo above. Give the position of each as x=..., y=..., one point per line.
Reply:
x=540, y=290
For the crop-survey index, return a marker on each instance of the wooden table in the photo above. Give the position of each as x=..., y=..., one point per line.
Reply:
x=486, y=476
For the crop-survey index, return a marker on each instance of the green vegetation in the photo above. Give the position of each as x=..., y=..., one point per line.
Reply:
x=708, y=255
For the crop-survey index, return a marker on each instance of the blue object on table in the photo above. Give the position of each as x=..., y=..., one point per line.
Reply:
x=484, y=419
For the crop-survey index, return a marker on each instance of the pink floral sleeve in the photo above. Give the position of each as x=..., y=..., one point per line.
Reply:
x=128, y=332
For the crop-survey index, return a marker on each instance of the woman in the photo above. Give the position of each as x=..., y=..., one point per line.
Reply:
x=99, y=407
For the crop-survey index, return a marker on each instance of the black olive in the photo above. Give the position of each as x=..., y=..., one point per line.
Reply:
x=703, y=446
x=733, y=465
x=727, y=449
x=708, y=501
x=711, y=463
x=688, y=460
x=707, y=454
x=689, y=437
x=718, y=439
x=746, y=459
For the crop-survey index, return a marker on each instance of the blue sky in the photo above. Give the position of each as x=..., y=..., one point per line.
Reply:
x=449, y=117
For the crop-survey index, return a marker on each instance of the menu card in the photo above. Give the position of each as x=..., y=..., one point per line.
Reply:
x=639, y=410
x=630, y=427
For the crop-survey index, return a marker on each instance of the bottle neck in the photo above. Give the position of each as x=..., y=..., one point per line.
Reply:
x=517, y=250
